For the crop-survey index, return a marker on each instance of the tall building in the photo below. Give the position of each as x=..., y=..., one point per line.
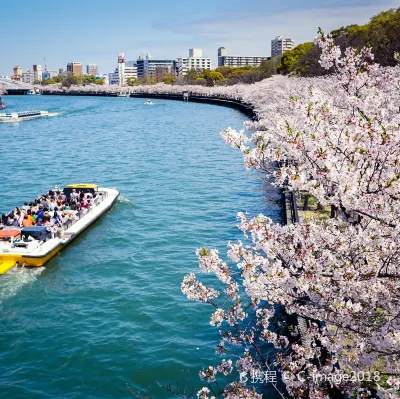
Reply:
x=237, y=61
x=279, y=45
x=37, y=70
x=50, y=74
x=92, y=69
x=146, y=66
x=123, y=72
x=221, y=52
x=121, y=69
x=17, y=73
x=75, y=69
x=28, y=77
x=113, y=78
x=130, y=72
x=194, y=61
x=195, y=52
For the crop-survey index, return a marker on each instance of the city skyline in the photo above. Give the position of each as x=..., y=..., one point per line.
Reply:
x=94, y=33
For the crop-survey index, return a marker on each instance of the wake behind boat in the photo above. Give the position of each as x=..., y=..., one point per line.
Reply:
x=37, y=241
x=25, y=115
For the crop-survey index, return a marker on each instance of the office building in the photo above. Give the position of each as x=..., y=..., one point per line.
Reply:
x=130, y=72
x=121, y=69
x=17, y=75
x=124, y=71
x=28, y=77
x=238, y=61
x=113, y=78
x=92, y=69
x=37, y=70
x=50, y=74
x=146, y=66
x=75, y=69
x=120, y=76
x=279, y=45
x=194, y=61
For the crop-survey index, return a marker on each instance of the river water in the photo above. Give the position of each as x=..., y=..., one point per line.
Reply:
x=108, y=310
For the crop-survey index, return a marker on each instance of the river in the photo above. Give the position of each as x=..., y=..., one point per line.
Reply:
x=108, y=310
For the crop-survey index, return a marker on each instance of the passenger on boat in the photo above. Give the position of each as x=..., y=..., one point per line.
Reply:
x=46, y=218
x=40, y=212
x=30, y=217
x=15, y=222
x=27, y=222
x=74, y=194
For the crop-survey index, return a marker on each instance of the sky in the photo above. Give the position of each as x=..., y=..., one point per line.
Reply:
x=94, y=32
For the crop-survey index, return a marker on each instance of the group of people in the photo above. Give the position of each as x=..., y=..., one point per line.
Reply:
x=52, y=210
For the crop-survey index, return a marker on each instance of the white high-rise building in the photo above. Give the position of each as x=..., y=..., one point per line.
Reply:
x=237, y=61
x=92, y=69
x=195, y=52
x=37, y=70
x=121, y=69
x=130, y=72
x=123, y=72
x=28, y=77
x=194, y=61
x=279, y=45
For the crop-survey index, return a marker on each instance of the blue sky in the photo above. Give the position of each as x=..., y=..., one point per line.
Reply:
x=90, y=31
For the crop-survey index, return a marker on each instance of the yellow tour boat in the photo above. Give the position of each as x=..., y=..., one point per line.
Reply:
x=34, y=246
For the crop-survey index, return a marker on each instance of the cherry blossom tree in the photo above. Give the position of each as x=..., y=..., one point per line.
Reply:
x=337, y=138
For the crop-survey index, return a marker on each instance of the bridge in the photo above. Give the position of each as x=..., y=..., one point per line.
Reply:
x=8, y=86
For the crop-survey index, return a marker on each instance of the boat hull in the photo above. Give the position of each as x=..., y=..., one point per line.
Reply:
x=9, y=260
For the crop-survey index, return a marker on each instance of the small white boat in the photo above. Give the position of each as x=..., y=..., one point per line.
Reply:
x=123, y=94
x=148, y=102
x=25, y=115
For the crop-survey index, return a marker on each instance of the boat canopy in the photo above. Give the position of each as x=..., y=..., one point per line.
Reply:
x=80, y=186
x=86, y=188
x=36, y=232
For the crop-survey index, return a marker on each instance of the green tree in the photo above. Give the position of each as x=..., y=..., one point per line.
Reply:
x=57, y=79
x=291, y=58
x=193, y=74
x=133, y=82
x=225, y=71
x=100, y=81
x=211, y=76
x=49, y=81
x=169, y=80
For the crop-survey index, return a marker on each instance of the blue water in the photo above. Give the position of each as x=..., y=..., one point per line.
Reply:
x=108, y=310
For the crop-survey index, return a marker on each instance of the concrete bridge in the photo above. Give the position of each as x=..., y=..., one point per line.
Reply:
x=8, y=86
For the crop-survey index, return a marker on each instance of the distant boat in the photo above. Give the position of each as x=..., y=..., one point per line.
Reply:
x=123, y=95
x=148, y=102
x=25, y=115
x=2, y=105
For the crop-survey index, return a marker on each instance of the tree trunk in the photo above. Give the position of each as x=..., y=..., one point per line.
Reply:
x=305, y=206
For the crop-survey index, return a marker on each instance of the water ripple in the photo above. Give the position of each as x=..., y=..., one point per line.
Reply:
x=108, y=309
